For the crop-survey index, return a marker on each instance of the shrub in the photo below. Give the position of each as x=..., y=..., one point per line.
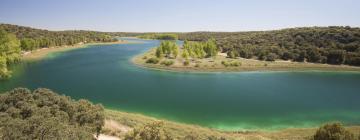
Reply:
x=186, y=63
x=145, y=57
x=334, y=131
x=235, y=64
x=152, y=131
x=226, y=64
x=42, y=114
x=152, y=61
x=231, y=64
x=167, y=62
x=197, y=65
x=271, y=57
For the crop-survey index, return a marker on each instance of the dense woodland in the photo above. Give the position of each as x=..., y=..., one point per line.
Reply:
x=14, y=39
x=159, y=36
x=43, y=115
x=332, y=45
x=31, y=38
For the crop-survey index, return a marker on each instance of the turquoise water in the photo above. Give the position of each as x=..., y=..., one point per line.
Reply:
x=228, y=101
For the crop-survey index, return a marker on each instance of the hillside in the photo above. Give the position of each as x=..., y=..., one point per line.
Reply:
x=332, y=45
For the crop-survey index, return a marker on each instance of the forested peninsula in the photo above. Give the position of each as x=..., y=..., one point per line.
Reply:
x=332, y=48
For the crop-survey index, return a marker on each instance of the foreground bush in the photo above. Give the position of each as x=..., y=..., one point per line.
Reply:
x=152, y=131
x=334, y=131
x=42, y=114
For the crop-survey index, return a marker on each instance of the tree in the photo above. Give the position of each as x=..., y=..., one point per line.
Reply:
x=9, y=52
x=210, y=48
x=185, y=54
x=175, y=51
x=334, y=131
x=42, y=114
x=313, y=55
x=168, y=48
x=159, y=52
x=336, y=57
x=271, y=57
x=28, y=44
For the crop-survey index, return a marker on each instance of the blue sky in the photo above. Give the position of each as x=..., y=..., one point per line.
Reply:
x=178, y=15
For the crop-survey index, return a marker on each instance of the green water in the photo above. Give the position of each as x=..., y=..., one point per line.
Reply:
x=229, y=101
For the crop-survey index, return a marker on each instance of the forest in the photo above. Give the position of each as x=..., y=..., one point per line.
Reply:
x=331, y=45
x=159, y=36
x=32, y=39
x=16, y=39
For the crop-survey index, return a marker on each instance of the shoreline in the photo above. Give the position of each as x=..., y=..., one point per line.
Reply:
x=43, y=52
x=248, y=65
x=122, y=118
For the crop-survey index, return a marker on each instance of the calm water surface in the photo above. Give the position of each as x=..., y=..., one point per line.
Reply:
x=229, y=101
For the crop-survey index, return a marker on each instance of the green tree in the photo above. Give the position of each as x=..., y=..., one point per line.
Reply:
x=175, y=51
x=210, y=48
x=42, y=114
x=9, y=52
x=159, y=52
x=185, y=54
x=29, y=44
x=336, y=57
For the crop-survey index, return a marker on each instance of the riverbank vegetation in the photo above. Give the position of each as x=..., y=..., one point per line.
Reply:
x=17, y=39
x=9, y=52
x=326, y=45
x=43, y=114
x=159, y=36
x=205, y=56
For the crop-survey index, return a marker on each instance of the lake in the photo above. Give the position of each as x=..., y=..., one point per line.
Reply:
x=228, y=101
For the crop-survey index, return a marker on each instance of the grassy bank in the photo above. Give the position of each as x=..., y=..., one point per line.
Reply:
x=221, y=63
x=122, y=123
x=42, y=53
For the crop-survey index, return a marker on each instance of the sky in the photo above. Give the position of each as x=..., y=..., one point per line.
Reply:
x=179, y=15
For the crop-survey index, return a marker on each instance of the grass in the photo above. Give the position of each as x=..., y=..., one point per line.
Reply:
x=221, y=63
x=180, y=130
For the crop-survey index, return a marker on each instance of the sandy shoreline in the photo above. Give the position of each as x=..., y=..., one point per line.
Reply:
x=43, y=52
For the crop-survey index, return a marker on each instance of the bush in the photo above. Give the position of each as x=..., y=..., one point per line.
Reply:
x=271, y=57
x=152, y=131
x=152, y=61
x=186, y=63
x=42, y=114
x=167, y=62
x=231, y=64
x=334, y=131
x=226, y=64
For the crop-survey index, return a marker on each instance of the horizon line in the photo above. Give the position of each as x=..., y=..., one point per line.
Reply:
x=259, y=30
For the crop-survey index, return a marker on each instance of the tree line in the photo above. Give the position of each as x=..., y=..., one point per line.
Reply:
x=331, y=45
x=31, y=38
x=159, y=36
x=43, y=114
x=14, y=39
